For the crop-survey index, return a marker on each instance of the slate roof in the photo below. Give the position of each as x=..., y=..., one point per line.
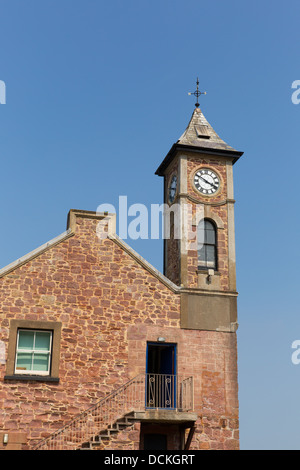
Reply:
x=199, y=133
x=199, y=136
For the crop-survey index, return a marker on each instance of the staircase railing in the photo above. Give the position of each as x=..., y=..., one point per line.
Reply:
x=140, y=393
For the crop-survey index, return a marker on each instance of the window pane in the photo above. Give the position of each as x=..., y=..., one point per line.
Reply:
x=208, y=225
x=40, y=362
x=200, y=235
x=24, y=361
x=206, y=232
x=201, y=232
x=210, y=236
x=42, y=340
x=201, y=256
x=200, y=247
x=210, y=256
x=26, y=339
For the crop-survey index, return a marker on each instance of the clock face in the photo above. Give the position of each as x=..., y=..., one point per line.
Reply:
x=206, y=181
x=172, y=188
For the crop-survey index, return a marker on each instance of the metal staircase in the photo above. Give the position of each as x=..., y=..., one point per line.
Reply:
x=94, y=427
x=100, y=441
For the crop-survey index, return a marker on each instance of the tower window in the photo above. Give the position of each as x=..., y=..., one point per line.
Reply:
x=207, y=245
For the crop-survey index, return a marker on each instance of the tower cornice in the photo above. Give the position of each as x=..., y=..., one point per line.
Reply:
x=235, y=155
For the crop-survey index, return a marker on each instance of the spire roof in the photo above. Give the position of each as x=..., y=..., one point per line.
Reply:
x=199, y=133
x=199, y=136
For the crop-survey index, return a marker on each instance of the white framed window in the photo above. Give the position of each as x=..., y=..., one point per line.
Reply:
x=33, y=352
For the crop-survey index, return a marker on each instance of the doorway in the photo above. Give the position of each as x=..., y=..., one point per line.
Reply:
x=155, y=442
x=161, y=375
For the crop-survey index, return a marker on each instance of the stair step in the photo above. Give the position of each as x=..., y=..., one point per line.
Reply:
x=106, y=434
x=85, y=446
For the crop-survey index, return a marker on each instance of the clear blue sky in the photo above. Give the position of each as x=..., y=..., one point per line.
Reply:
x=96, y=96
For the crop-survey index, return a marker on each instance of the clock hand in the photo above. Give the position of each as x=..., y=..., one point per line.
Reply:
x=208, y=182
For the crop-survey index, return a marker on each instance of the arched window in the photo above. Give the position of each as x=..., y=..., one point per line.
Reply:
x=207, y=245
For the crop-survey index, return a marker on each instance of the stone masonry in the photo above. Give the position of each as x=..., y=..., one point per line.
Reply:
x=108, y=303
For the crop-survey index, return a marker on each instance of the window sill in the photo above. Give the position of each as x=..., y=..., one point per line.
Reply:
x=37, y=378
x=205, y=271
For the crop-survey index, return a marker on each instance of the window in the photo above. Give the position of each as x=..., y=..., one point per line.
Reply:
x=33, y=352
x=207, y=245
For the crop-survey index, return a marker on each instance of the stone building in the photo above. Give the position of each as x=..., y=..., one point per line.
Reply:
x=102, y=351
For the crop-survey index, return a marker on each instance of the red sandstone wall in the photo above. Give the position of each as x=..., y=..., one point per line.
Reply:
x=219, y=210
x=210, y=358
x=109, y=307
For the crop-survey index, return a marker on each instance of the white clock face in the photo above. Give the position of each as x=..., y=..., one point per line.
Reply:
x=206, y=181
x=172, y=188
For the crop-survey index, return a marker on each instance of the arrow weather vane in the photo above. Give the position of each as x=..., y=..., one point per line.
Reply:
x=197, y=93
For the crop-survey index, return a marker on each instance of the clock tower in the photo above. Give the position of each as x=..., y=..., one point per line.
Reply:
x=199, y=244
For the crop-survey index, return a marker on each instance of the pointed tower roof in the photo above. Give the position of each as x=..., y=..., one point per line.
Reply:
x=199, y=136
x=199, y=133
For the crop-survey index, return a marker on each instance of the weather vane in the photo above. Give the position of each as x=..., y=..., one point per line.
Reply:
x=197, y=93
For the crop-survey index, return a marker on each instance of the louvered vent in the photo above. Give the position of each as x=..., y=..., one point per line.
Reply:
x=202, y=132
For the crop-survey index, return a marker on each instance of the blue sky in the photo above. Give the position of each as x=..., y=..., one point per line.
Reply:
x=96, y=94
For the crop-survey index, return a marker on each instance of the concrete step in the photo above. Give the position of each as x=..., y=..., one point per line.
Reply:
x=106, y=434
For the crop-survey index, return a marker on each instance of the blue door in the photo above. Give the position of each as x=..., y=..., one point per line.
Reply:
x=161, y=375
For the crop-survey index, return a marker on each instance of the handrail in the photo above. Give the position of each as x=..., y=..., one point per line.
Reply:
x=143, y=391
x=78, y=419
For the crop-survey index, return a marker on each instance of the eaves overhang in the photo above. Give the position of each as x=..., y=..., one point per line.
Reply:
x=234, y=154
